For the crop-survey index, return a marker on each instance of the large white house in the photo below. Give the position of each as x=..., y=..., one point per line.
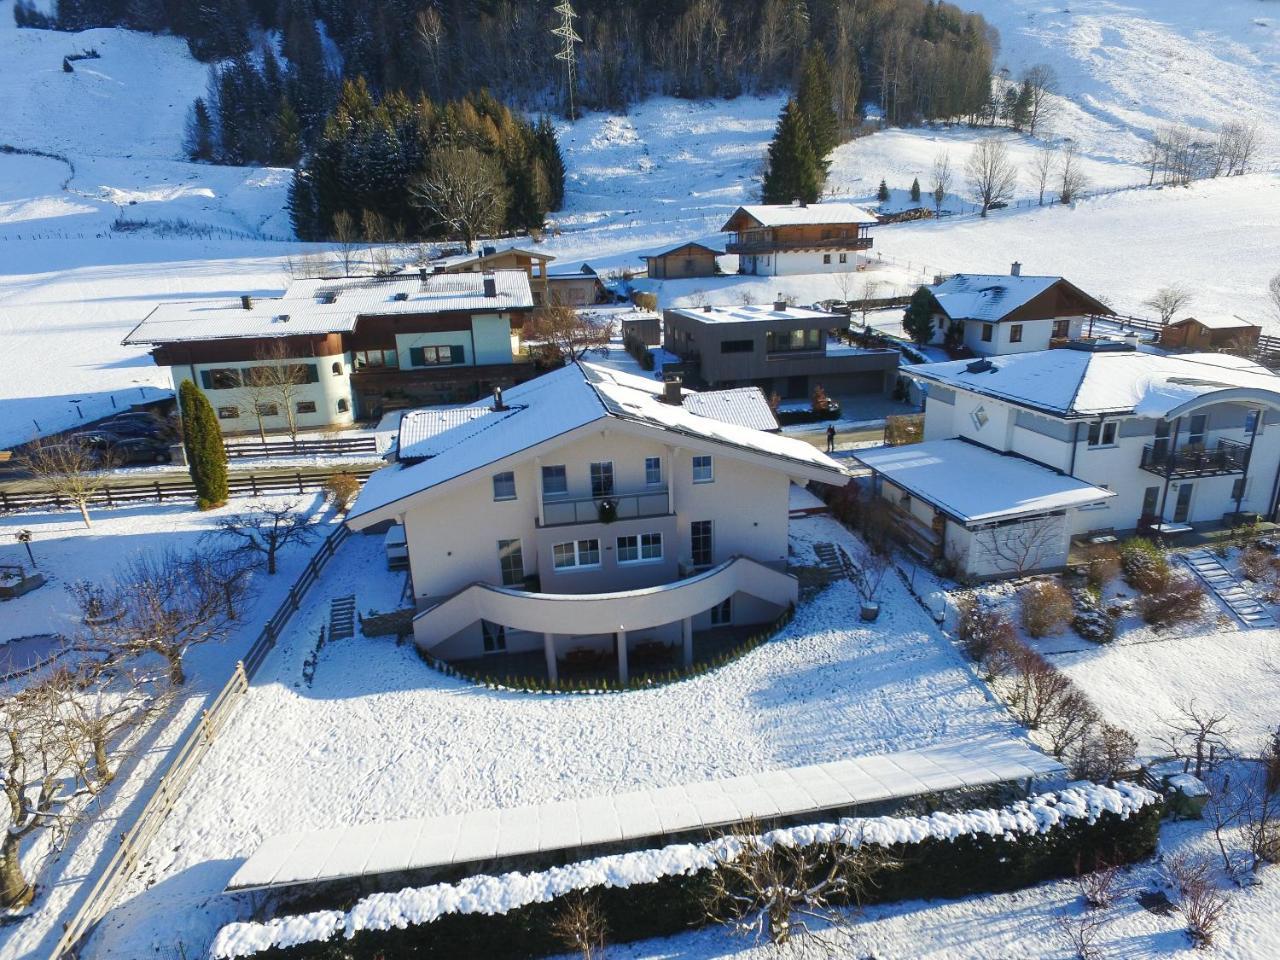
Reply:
x=773, y=239
x=1023, y=452
x=589, y=510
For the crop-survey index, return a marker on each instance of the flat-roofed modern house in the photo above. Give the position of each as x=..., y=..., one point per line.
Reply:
x=996, y=315
x=1211, y=333
x=589, y=510
x=1021, y=453
x=778, y=239
x=686, y=260
x=356, y=346
x=779, y=348
x=511, y=258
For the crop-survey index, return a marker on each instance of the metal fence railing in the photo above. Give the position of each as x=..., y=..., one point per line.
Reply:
x=133, y=844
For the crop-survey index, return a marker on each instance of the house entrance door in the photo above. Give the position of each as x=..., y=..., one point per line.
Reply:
x=1183, y=508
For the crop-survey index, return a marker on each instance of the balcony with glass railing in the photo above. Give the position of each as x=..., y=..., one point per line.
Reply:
x=561, y=511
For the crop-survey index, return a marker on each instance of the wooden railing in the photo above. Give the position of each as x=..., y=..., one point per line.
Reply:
x=133, y=845
x=296, y=448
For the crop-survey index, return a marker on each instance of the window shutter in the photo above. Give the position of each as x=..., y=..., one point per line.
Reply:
x=457, y=355
x=416, y=357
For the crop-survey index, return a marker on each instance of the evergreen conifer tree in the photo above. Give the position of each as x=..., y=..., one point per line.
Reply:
x=552, y=162
x=883, y=193
x=917, y=321
x=199, y=138
x=915, y=190
x=206, y=453
x=793, y=172
x=817, y=103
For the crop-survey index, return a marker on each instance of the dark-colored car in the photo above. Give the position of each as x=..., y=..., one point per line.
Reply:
x=122, y=427
x=140, y=450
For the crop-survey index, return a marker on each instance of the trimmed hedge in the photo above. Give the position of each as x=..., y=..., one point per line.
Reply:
x=938, y=867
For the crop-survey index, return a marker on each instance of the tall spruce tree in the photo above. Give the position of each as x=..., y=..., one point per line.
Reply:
x=794, y=173
x=817, y=103
x=917, y=321
x=915, y=190
x=206, y=453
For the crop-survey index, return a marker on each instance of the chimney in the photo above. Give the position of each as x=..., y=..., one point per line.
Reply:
x=1016, y=269
x=671, y=392
x=780, y=305
x=498, y=405
x=707, y=308
x=422, y=274
x=490, y=284
x=246, y=302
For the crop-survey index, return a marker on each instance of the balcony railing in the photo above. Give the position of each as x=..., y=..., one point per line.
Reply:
x=1228, y=457
x=765, y=245
x=625, y=506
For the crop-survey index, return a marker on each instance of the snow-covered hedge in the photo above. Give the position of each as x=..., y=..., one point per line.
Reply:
x=655, y=892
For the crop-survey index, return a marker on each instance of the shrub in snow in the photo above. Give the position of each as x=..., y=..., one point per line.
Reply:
x=659, y=892
x=1145, y=566
x=982, y=628
x=1180, y=601
x=1046, y=607
x=1090, y=619
x=1104, y=753
x=1101, y=565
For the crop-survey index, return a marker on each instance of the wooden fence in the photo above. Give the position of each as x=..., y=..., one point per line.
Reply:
x=124, y=494
x=295, y=448
x=133, y=845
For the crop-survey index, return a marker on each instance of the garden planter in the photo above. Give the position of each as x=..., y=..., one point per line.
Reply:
x=11, y=587
x=870, y=610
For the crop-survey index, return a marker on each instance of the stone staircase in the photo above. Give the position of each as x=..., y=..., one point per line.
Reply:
x=829, y=560
x=342, y=618
x=1228, y=589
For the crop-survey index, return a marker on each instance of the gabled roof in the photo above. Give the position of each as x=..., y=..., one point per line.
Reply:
x=972, y=484
x=793, y=215
x=554, y=405
x=311, y=307
x=992, y=297
x=684, y=246
x=580, y=272
x=745, y=406
x=479, y=259
x=1217, y=323
x=1083, y=382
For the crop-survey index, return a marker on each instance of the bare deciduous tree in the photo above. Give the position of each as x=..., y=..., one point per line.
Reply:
x=942, y=178
x=1082, y=932
x=1273, y=294
x=347, y=238
x=70, y=468
x=1041, y=83
x=1043, y=163
x=1035, y=690
x=464, y=191
x=1167, y=301
x=564, y=333
x=1202, y=904
x=268, y=528
x=276, y=382
x=1071, y=177
x=991, y=173
x=1198, y=734
x=1234, y=148
x=1103, y=754
x=1021, y=547
x=580, y=926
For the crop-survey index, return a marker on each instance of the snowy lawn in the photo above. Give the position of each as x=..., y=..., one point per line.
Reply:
x=379, y=735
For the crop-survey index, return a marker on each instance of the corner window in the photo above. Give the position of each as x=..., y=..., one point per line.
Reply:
x=504, y=486
x=576, y=554
x=306, y=406
x=1102, y=434
x=652, y=471
x=987, y=331
x=602, y=478
x=702, y=470
x=228, y=413
x=511, y=562
x=1015, y=333
x=640, y=548
x=555, y=482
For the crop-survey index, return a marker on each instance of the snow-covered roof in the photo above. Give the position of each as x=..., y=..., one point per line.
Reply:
x=745, y=406
x=792, y=214
x=683, y=246
x=556, y=404
x=1085, y=382
x=420, y=428
x=991, y=296
x=316, y=306
x=584, y=271
x=1217, y=322
x=370, y=849
x=754, y=313
x=972, y=484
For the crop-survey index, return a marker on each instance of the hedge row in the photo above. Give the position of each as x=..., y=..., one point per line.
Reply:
x=662, y=892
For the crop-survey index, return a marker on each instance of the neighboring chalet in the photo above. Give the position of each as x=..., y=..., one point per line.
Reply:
x=1210, y=334
x=575, y=286
x=356, y=346
x=1024, y=452
x=686, y=260
x=779, y=348
x=590, y=514
x=778, y=239
x=998, y=315
x=512, y=258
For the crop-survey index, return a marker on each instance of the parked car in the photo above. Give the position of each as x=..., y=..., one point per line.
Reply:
x=130, y=427
x=160, y=425
x=140, y=450
x=93, y=439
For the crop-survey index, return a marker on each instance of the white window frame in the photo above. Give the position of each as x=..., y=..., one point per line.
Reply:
x=1102, y=443
x=579, y=548
x=504, y=497
x=552, y=494
x=695, y=464
x=652, y=471
x=602, y=470
x=637, y=544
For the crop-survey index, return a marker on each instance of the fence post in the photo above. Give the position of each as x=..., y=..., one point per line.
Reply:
x=159, y=493
x=204, y=727
x=242, y=676
x=253, y=484
x=298, y=476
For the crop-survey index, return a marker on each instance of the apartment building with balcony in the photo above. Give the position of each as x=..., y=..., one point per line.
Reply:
x=351, y=347
x=589, y=510
x=780, y=239
x=1021, y=453
x=781, y=349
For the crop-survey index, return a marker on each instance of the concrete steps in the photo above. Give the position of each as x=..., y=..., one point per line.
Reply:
x=342, y=618
x=1228, y=589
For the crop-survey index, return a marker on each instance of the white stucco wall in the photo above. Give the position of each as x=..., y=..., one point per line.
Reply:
x=1035, y=336
x=325, y=393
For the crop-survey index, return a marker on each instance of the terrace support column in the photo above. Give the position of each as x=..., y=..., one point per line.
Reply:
x=686, y=633
x=620, y=638
x=549, y=647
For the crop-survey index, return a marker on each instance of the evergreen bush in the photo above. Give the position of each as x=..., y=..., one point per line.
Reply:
x=206, y=452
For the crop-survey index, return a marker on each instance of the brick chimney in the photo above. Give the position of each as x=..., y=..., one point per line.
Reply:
x=780, y=305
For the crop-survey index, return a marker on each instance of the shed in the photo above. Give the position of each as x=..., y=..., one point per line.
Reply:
x=646, y=327
x=686, y=260
x=1211, y=333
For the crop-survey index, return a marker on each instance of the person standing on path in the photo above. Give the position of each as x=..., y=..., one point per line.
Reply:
x=831, y=438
